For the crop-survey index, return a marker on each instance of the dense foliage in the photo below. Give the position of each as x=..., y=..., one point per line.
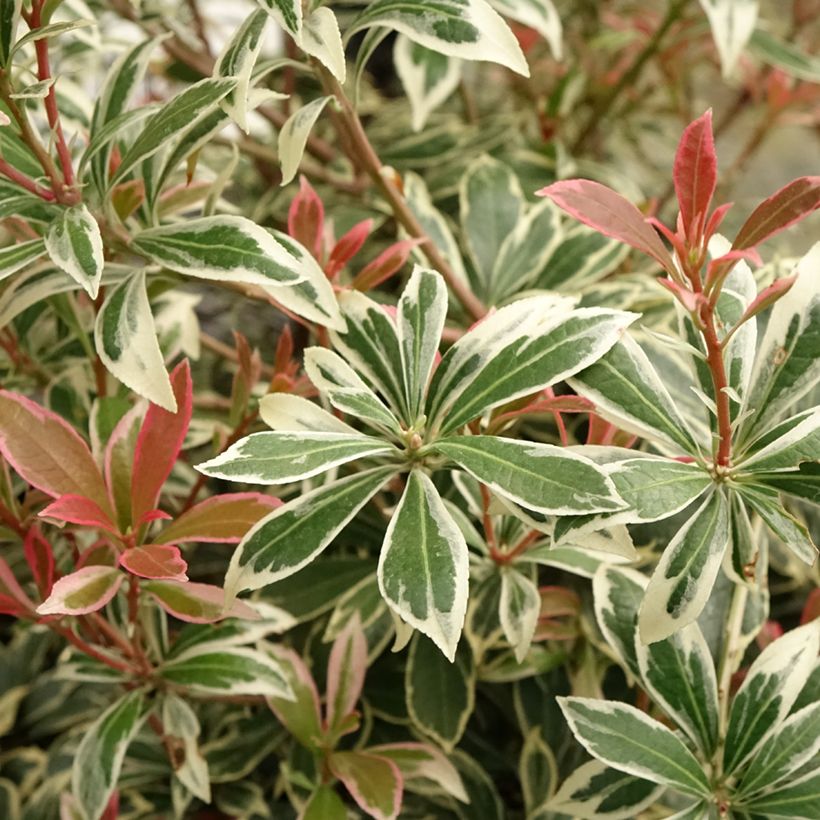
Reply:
x=395, y=419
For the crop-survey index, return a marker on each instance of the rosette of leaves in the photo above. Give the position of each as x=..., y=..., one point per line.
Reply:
x=755, y=756
x=754, y=447
x=380, y=373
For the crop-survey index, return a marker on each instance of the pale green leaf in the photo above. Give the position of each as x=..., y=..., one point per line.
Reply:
x=518, y=609
x=15, y=257
x=74, y=244
x=294, y=134
x=732, y=23
x=322, y=39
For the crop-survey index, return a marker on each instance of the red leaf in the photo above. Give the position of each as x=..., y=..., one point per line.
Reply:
x=220, y=519
x=197, y=603
x=13, y=601
x=768, y=296
x=783, y=208
x=695, y=175
x=77, y=509
x=40, y=558
x=347, y=247
x=306, y=218
x=159, y=443
x=46, y=451
x=385, y=264
x=610, y=214
x=161, y=562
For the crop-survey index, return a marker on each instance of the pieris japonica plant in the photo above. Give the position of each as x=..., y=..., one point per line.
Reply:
x=376, y=438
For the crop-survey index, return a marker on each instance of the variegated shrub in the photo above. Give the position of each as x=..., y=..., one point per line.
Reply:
x=376, y=436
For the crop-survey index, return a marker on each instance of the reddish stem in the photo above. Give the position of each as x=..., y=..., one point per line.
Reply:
x=89, y=650
x=24, y=181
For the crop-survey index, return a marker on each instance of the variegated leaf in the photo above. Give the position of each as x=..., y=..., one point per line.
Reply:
x=15, y=257
x=322, y=39
x=284, y=411
x=82, y=591
x=374, y=782
x=732, y=23
x=294, y=134
x=518, y=609
x=683, y=579
x=800, y=442
x=126, y=340
x=539, y=15
x=793, y=800
x=288, y=13
x=74, y=244
x=423, y=570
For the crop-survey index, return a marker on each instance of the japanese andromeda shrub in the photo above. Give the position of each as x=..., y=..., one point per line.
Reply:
x=500, y=501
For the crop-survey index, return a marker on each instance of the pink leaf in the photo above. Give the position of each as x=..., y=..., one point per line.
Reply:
x=768, y=296
x=374, y=782
x=77, y=509
x=610, y=214
x=220, y=519
x=197, y=603
x=424, y=761
x=119, y=462
x=783, y=208
x=156, y=561
x=46, y=451
x=83, y=591
x=301, y=716
x=345, y=673
x=13, y=600
x=347, y=247
x=385, y=264
x=158, y=444
x=695, y=175
x=306, y=218
x=40, y=558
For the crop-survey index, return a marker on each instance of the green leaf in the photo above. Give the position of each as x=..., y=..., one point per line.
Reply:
x=371, y=345
x=785, y=55
x=288, y=13
x=444, y=717
x=126, y=340
x=679, y=675
x=490, y=204
x=681, y=584
x=294, y=134
x=423, y=762
x=177, y=114
x=630, y=741
x=74, y=244
x=234, y=670
x=281, y=457
x=300, y=714
x=596, y=792
x=324, y=804
x=15, y=257
x=786, y=527
x=788, y=360
x=222, y=248
x=518, y=609
x=427, y=76
x=628, y=392
x=374, y=782
x=732, y=23
x=545, y=350
x=801, y=442
x=541, y=477
x=237, y=60
x=423, y=565
x=295, y=533
x=794, y=744
x=802, y=483
x=537, y=770
x=617, y=595
x=796, y=800
x=9, y=18
x=335, y=379
x=180, y=721
x=768, y=691
x=458, y=28
x=99, y=757
x=539, y=15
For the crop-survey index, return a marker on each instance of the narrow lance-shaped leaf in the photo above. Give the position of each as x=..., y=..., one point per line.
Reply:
x=237, y=60
x=610, y=214
x=695, y=174
x=597, y=792
x=74, y=244
x=556, y=350
x=345, y=673
x=228, y=671
x=768, y=691
x=280, y=458
x=785, y=55
x=158, y=444
x=420, y=320
x=284, y=411
x=82, y=591
x=294, y=534
x=177, y=114
x=799, y=442
x=617, y=595
x=197, y=603
x=458, y=28
x=518, y=609
x=9, y=18
x=16, y=257
x=795, y=799
x=322, y=39
x=630, y=741
x=126, y=339
x=294, y=134
x=428, y=77
x=541, y=477
x=299, y=714
x=423, y=565
x=424, y=762
x=101, y=752
x=732, y=23
x=683, y=579
x=48, y=453
x=288, y=13
x=539, y=15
